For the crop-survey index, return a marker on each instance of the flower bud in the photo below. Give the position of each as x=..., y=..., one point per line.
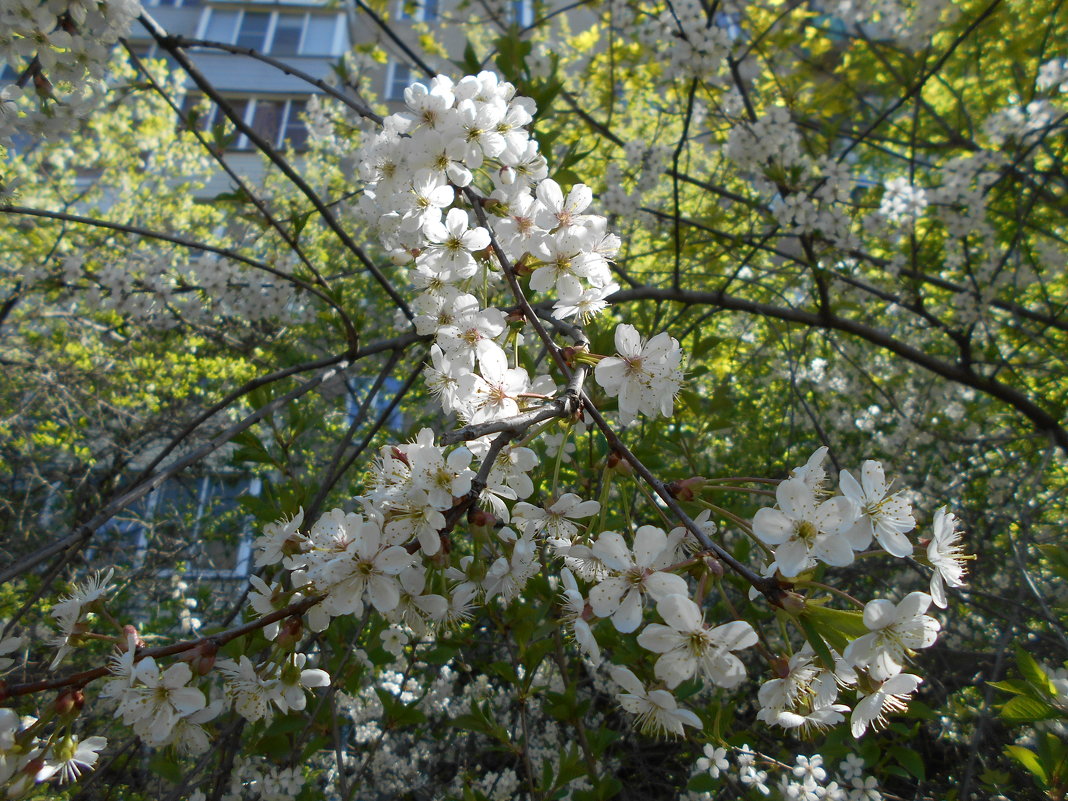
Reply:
x=523, y=267
x=441, y=558
x=713, y=566
x=476, y=570
x=686, y=489
x=792, y=602
x=516, y=319
x=42, y=85
x=780, y=666
x=27, y=778
x=202, y=658
x=290, y=633
x=292, y=545
x=617, y=463
x=400, y=456
x=69, y=702
x=480, y=518
x=127, y=630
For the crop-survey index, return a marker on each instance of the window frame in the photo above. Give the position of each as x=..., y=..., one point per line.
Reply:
x=420, y=9
x=356, y=389
x=337, y=43
x=206, y=488
x=391, y=81
x=242, y=142
x=521, y=13
x=248, y=117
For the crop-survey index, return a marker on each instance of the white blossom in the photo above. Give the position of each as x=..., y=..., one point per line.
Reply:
x=657, y=711
x=945, y=553
x=687, y=645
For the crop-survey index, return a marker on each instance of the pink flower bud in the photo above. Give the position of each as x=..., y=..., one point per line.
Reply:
x=202, y=658
x=127, y=630
x=714, y=566
x=69, y=702
x=480, y=518
x=290, y=633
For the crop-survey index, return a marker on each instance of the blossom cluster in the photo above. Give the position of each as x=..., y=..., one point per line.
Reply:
x=58, y=51
x=26, y=759
x=807, y=528
x=423, y=173
x=809, y=778
x=909, y=24
x=160, y=290
x=646, y=161
x=693, y=45
x=164, y=704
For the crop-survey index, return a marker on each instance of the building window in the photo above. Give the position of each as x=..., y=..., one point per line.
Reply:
x=222, y=26
x=278, y=33
x=267, y=119
x=418, y=10
x=321, y=35
x=398, y=78
x=252, y=33
x=358, y=386
x=521, y=13
x=277, y=120
x=288, y=31
x=198, y=522
x=294, y=131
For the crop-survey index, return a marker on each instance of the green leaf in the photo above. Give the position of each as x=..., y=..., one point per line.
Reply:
x=470, y=63
x=849, y=625
x=1025, y=709
x=396, y=712
x=607, y=787
x=479, y=719
x=250, y=449
x=816, y=641
x=1014, y=686
x=910, y=760
x=1033, y=672
x=918, y=710
x=702, y=783
x=165, y=767
x=1029, y=759
x=571, y=767
x=275, y=745
x=288, y=724
x=600, y=739
x=1053, y=754
x=566, y=177
x=512, y=52
x=439, y=655
x=299, y=223
x=532, y=657
x=505, y=671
